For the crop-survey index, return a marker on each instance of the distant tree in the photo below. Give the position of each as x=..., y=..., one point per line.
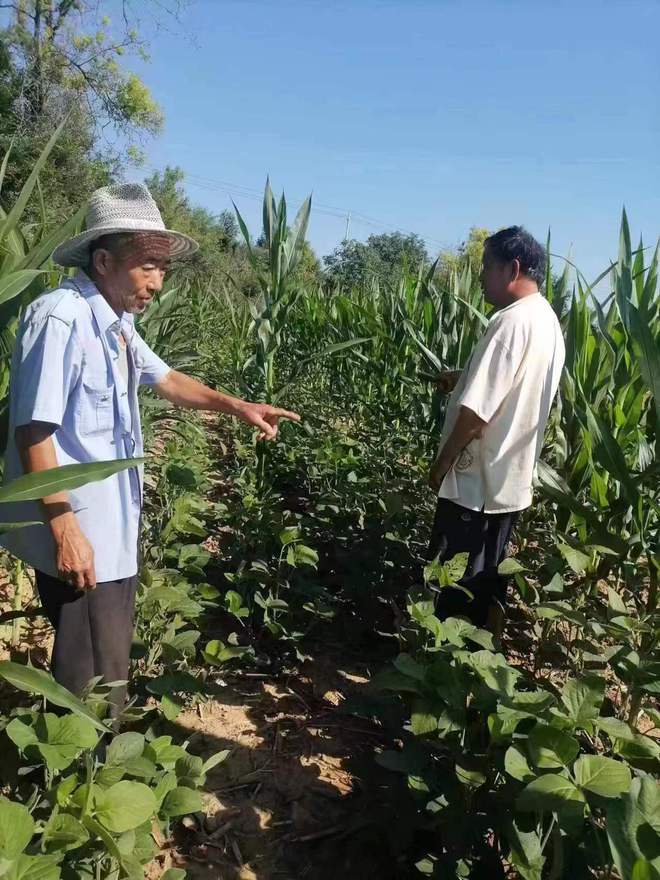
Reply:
x=468, y=253
x=348, y=265
x=381, y=257
x=216, y=233
x=308, y=272
x=59, y=58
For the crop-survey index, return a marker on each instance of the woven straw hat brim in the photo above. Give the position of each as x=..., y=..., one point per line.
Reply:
x=75, y=251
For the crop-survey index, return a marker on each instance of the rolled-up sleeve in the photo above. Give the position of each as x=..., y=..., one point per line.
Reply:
x=151, y=368
x=46, y=367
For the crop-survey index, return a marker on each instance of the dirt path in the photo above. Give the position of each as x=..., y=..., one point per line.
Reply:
x=300, y=794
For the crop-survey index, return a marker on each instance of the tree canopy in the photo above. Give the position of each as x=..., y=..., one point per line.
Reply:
x=381, y=256
x=61, y=59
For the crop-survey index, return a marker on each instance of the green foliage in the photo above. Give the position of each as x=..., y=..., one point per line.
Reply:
x=82, y=816
x=58, y=59
x=219, y=253
x=528, y=749
x=357, y=264
x=466, y=256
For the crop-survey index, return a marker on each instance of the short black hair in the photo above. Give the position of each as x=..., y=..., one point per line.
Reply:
x=515, y=243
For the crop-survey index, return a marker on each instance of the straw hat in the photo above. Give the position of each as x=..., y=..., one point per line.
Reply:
x=124, y=207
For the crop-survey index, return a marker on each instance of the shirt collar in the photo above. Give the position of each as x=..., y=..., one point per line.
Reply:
x=105, y=315
x=531, y=297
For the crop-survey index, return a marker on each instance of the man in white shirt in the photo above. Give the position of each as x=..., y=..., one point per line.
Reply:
x=495, y=422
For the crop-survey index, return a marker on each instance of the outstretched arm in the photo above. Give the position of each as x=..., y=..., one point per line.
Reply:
x=185, y=391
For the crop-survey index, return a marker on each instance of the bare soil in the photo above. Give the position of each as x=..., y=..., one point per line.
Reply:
x=300, y=794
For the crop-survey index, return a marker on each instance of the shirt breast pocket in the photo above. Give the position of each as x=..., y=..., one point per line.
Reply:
x=96, y=409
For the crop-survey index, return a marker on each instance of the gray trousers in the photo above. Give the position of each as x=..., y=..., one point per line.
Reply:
x=93, y=631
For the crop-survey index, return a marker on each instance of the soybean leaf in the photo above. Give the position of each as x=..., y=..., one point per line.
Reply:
x=456, y=566
x=550, y=793
x=62, y=833
x=526, y=852
x=34, y=868
x=175, y=683
x=473, y=777
x=125, y=747
x=643, y=870
x=577, y=560
x=216, y=759
x=16, y=828
x=510, y=566
x=217, y=652
x=583, y=698
x=410, y=667
x=189, y=768
x=60, y=739
x=494, y=671
x=170, y=707
x=515, y=764
x=125, y=806
x=423, y=719
x=162, y=751
x=36, y=681
x=181, y=801
x=616, y=729
x=603, y=776
x=633, y=826
x=21, y=732
x=551, y=748
x=141, y=768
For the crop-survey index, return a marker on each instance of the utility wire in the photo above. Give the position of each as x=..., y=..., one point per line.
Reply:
x=237, y=190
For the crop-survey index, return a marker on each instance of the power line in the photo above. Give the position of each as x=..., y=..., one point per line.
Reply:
x=237, y=190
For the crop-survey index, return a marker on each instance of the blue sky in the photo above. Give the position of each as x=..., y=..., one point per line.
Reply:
x=422, y=115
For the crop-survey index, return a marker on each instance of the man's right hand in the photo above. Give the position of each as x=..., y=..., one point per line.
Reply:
x=75, y=555
x=446, y=381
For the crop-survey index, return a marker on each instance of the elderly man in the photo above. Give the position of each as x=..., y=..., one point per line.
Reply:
x=495, y=423
x=75, y=374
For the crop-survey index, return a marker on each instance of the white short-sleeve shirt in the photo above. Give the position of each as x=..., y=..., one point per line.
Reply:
x=510, y=382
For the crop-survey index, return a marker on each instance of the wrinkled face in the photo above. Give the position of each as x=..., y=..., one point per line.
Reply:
x=495, y=279
x=133, y=271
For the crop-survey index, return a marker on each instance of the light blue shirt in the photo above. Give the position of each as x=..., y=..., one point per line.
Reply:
x=65, y=372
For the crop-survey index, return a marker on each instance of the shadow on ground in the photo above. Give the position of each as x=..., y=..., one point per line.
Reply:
x=300, y=794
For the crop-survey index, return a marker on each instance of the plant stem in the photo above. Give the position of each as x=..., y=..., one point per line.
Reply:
x=17, y=603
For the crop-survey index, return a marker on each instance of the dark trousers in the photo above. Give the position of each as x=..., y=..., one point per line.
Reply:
x=485, y=537
x=93, y=632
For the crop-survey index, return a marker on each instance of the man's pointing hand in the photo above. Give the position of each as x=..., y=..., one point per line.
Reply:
x=266, y=418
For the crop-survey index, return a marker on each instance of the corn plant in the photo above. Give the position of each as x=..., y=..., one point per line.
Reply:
x=605, y=482
x=273, y=310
